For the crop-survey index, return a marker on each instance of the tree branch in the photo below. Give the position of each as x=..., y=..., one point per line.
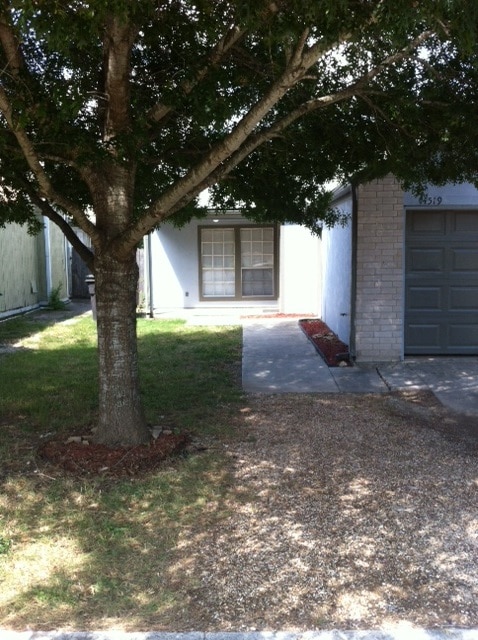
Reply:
x=44, y=183
x=119, y=38
x=385, y=118
x=47, y=210
x=259, y=139
x=240, y=142
x=294, y=72
x=397, y=57
x=222, y=48
x=10, y=45
x=356, y=89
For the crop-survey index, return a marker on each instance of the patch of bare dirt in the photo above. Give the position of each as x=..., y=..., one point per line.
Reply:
x=423, y=408
x=336, y=511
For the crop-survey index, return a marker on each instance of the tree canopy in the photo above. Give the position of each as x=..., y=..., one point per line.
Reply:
x=240, y=97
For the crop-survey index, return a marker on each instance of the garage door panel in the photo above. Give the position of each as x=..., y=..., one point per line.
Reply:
x=427, y=223
x=441, y=293
x=463, y=222
x=462, y=337
x=425, y=298
x=464, y=260
x=423, y=336
x=463, y=298
x=426, y=259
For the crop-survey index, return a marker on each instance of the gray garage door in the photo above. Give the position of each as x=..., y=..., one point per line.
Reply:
x=441, y=302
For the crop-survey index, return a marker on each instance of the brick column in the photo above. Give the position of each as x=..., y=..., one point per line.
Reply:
x=379, y=271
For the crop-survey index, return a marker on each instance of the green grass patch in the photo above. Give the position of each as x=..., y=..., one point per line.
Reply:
x=186, y=372
x=19, y=328
x=85, y=553
x=50, y=381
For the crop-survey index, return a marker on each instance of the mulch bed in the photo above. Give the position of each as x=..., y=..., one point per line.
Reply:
x=278, y=315
x=88, y=458
x=331, y=348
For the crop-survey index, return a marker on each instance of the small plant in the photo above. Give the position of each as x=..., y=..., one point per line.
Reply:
x=141, y=302
x=54, y=301
x=5, y=545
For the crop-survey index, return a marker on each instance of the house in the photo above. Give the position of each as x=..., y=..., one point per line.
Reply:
x=31, y=267
x=402, y=277
x=228, y=262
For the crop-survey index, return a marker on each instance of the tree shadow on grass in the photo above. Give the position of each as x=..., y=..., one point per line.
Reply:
x=191, y=375
x=18, y=328
x=336, y=526
x=85, y=551
x=99, y=553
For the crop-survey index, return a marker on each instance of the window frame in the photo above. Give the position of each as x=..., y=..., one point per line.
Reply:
x=238, y=297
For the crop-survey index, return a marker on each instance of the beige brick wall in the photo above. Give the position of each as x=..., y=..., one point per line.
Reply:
x=380, y=282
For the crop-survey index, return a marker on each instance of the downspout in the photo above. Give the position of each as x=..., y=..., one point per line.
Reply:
x=353, y=284
x=150, y=276
x=48, y=273
x=67, y=267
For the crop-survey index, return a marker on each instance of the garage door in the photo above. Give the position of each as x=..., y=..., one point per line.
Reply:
x=441, y=301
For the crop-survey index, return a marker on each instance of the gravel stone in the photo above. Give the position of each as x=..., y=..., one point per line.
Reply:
x=343, y=512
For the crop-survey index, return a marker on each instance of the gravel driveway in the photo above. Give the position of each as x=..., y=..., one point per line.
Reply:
x=343, y=511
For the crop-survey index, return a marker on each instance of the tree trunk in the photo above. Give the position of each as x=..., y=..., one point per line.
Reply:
x=121, y=418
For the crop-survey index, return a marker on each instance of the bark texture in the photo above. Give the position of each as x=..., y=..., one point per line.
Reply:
x=121, y=419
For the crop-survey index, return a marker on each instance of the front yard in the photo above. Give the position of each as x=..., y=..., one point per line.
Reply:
x=292, y=512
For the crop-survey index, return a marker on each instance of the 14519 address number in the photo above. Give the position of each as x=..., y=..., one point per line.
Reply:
x=430, y=201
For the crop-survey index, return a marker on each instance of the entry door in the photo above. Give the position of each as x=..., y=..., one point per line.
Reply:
x=441, y=303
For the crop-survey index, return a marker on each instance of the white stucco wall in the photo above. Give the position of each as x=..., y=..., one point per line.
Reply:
x=299, y=271
x=337, y=274
x=174, y=267
x=175, y=263
x=450, y=195
x=379, y=303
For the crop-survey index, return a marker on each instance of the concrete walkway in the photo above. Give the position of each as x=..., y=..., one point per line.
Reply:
x=279, y=358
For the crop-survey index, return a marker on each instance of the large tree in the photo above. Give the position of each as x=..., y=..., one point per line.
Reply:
x=116, y=114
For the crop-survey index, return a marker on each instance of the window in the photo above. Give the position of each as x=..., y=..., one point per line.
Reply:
x=218, y=262
x=257, y=262
x=237, y=262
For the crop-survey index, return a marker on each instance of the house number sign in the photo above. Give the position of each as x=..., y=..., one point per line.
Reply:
x=430, y=201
